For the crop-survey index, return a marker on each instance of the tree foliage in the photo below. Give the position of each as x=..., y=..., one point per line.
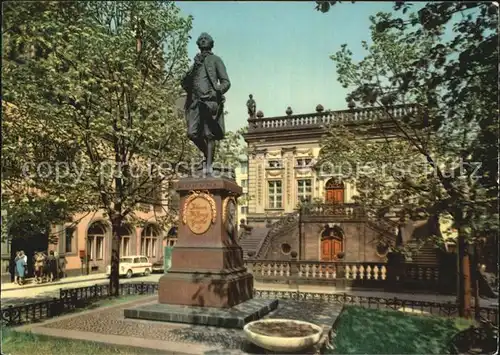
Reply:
x=230, y=150
x=95, y=84
x=442, y=60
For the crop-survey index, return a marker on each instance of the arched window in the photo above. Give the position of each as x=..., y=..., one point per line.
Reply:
x=149, y=241
x=126, y=240
x=332, y=244
x=95, y=241
x=334, y=190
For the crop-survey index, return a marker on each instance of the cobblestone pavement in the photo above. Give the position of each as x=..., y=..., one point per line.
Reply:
x=112, y=322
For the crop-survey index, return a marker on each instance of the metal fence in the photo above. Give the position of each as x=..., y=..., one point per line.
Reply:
x=80, y=297
x=69, y=300
x=448, y=309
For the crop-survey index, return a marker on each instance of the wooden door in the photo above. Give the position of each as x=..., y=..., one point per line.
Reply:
x=335, y=196
x=330, y=248
x=326, y=250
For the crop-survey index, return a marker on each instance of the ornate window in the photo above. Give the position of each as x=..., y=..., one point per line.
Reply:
x=275, y=194
x=126, y=239
x=149, y=241
x=304, y=190
x=303, y=162
x=95, y=241
x=69, y=234
x=274, y=164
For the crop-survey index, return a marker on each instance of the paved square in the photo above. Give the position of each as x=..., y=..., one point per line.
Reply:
x=108, y=325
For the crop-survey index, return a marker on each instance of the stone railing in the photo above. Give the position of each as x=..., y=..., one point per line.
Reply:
x=350, y=211
x=344, y=210
x=280, y=226
x=320, y=119
x=408, y=276
x=276, y=270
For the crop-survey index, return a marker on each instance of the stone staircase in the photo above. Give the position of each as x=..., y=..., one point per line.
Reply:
x=252, y=240
x=278, y=228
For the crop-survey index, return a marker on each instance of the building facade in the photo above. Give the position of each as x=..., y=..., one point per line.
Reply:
x=283, y=171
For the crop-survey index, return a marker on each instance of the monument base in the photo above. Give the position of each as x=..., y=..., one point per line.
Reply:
x=234, y=317
x=219, y=290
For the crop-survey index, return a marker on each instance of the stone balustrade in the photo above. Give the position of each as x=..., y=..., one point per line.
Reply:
x=319, y=119
x=270, y=269
x=409, y=276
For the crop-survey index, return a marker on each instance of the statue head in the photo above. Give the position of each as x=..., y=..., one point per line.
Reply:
x=205, y=42
x=250, y=96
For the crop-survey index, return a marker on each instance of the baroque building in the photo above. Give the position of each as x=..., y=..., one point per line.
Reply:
x=283, y=171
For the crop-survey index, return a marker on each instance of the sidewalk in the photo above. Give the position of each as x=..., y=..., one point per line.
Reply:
x=67, y=280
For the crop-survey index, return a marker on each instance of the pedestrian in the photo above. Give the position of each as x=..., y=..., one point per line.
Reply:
x=15, y=273
x=21, y=264
x=52, y=266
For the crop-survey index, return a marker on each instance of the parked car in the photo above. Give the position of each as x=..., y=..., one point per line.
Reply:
x=158, y=266
x=132, y=265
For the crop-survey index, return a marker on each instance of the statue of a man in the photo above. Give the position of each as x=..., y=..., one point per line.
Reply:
x=251, y=106
x=206, y=82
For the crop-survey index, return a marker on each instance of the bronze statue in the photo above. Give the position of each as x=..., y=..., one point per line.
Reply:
x=251, y=106
x=206, y=82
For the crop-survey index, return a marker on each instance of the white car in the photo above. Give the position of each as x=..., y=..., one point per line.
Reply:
x=132, y=265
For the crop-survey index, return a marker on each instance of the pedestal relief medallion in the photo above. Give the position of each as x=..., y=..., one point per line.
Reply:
x=199, y=212
x=229, y=216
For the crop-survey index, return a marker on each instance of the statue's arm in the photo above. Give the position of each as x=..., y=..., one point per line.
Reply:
x=224, y=83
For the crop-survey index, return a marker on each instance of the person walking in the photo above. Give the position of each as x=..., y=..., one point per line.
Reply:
x=21, y=264
x=14, y=268
x=52, y=266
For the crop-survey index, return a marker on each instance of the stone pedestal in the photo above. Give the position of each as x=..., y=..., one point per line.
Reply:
x=207, y=283
x=207, y=263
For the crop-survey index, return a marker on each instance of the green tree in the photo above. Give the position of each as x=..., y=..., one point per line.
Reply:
x=453, y=87
x=98, y=81
x=230, y=150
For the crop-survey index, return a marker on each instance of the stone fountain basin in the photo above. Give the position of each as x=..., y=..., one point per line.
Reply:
x=281, y=342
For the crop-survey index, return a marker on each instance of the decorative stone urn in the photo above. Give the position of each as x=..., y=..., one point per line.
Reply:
x=260, y=114
x=283, y=335
x=289, y=111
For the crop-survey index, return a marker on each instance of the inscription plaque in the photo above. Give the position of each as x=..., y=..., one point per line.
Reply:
x=199, y=212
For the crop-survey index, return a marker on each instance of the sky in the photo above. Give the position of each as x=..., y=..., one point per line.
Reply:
x=280, y=51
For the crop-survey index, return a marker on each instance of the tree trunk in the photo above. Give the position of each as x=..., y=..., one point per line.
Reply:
x=114, y=279
x=464, y=279
x=476, y=276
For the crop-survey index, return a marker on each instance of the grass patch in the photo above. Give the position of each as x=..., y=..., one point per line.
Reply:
x=372, y=331
x=17, y=343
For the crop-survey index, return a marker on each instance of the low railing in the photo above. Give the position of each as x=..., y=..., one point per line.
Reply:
x=321, y=119
x=271, y=269
x=407, y=276
x=344, y=210
x=68, y=301
x=448, y=309
x=349, y=211
x=278, y=227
